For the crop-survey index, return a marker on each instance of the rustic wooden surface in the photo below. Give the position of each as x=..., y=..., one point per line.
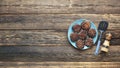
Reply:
x=60, y=65
x=36, y=31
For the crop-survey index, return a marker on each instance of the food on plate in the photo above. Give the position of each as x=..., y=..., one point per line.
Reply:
x=74, y=37
x=91, y=33
x=85, y=25
x=80, y=44
x=89, y=42
x=76, y=28
x=83, y=34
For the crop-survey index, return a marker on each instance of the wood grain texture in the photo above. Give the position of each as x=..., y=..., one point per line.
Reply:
x=61, y=2
x=78, y=3
x=54, y=21
x=60, y=6
x=43, y=37
x=43, y=25
x=56, y=53
x=60, y=64
x=35, y=2
x=65, y=10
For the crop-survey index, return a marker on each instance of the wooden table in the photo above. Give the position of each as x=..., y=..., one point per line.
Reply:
x=33, y=33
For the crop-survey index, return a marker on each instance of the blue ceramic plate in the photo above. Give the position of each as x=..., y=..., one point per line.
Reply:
x=71, y=31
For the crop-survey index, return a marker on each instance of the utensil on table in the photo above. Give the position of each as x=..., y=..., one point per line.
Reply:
x=102, y=27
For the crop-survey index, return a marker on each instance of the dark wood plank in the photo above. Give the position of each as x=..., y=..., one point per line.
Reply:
x=54, y=21
x=42, y=37
x=56, y=53
x=32, y=37
x=60, y=6
x=60, y=64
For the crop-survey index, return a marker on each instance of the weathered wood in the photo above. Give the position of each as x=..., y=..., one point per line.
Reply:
x=49, y=3
x=60, y=2
x=77, y=10
x=60, y=6
x=79, y=3
x=42, y=37
x=56, y=53
x=60, y=64
x=44, y=23
x=54, y=21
